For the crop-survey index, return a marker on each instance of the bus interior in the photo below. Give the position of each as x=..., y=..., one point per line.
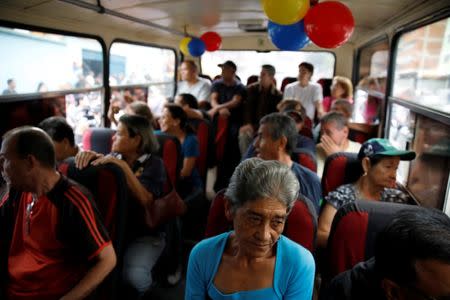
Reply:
x=75, y=58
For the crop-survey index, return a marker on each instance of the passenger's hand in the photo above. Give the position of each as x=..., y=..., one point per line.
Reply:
x=112, y=111
x=328, y=145
x=224, y=112
x=247, y=128
x=212, y=112
x=108, y=159
x=83, y=158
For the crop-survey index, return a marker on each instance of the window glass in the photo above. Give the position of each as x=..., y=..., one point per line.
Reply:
x=285, y=62
x=34, y=61
x=150, y=70
x=373, y=63
x=371, y=88
x=427, y=176
x=422, y=66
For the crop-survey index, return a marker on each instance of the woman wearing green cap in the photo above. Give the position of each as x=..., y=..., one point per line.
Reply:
x=379, y=160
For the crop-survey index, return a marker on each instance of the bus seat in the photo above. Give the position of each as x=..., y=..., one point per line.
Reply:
x=360, y=133
x=98, y=140
x=326, y=86
x=252, y=79
x=170, y=153
x=286, y=81
x=108, y=185
x=203, y=130
x=354, y=230
x=301, y=225
x=340, y=168
x=205, y=77
x=307, y=127
x=221, y=133
x=305, y=158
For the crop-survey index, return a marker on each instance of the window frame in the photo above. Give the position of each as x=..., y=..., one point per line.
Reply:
x=131, y=42
x=414, y=107
x=359, y=50
x=36, y=95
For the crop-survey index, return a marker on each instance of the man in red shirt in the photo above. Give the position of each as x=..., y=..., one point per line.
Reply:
x=53, y=244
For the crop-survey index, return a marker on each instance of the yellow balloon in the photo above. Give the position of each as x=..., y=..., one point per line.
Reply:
x=184, y=45
x=285, y=12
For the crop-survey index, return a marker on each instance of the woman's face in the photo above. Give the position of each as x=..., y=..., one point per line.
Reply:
x=123, y=143
x=258, y=226
x=167, y=122
x=337, y=90
x=384, y=173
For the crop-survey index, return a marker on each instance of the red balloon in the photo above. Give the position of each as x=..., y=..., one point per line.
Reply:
x=329, y=24
x=212, y=40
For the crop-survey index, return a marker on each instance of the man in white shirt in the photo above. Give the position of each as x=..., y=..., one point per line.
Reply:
x=307, y=93
x=334, y=130
x=191, y=83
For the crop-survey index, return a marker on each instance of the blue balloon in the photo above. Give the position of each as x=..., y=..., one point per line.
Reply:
x=288, y=37
x=196, y=47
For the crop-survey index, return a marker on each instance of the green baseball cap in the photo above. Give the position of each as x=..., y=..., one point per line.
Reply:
x=382, y=147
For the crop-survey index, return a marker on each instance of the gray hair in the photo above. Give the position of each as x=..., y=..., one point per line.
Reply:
x=281, y=125
x=255, y=179
x=338, y=118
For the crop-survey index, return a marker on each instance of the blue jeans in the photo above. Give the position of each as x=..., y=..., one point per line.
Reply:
x=139, y=260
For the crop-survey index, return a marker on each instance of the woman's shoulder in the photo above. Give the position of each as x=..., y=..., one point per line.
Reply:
x=342, y=195
x=294, y=252
x=209, y=246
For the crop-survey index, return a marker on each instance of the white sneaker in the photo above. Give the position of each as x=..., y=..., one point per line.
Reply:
x=175, y=277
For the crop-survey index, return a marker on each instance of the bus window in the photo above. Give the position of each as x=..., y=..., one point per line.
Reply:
x=141, y=73
x=285, y=62
x=426, y=177
x=56, y=74
x=371, y=77
x=422, y=66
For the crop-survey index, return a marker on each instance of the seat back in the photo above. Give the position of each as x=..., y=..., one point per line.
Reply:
x=203, y=130
x=307, y=127
x=340, y=168
x=252, y=79
x=301, y=225
x=326, y=86
x=354, y=230
x=170, y=152
x=305, y=158
x=286, y=81
x=98, y=139
x=108, y=185
x=221, y=124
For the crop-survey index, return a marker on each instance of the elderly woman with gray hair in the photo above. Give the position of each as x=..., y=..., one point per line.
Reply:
x=254, y=261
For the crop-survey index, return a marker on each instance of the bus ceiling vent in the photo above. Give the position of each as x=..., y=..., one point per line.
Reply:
x=253, y=25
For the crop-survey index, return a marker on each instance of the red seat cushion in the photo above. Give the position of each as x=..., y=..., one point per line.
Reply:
x=354, y=230
x=170, y=152
x=340, y=168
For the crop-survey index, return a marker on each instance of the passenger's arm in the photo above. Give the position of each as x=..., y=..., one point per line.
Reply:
x=214, y=99
x=135, y=186
x=188, y=166
x=193, y=113
x=324, y=227
x=204, y=93
x=104, y=264
x=234, y=102
x=301, y=279
x=319, y=108
x=196, y=288
x=83, y=158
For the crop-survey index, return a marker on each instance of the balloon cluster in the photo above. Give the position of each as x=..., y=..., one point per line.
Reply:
x=209, y=41
x=294, y=23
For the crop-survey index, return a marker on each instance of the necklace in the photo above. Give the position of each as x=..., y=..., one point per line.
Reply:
x=29, y=212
